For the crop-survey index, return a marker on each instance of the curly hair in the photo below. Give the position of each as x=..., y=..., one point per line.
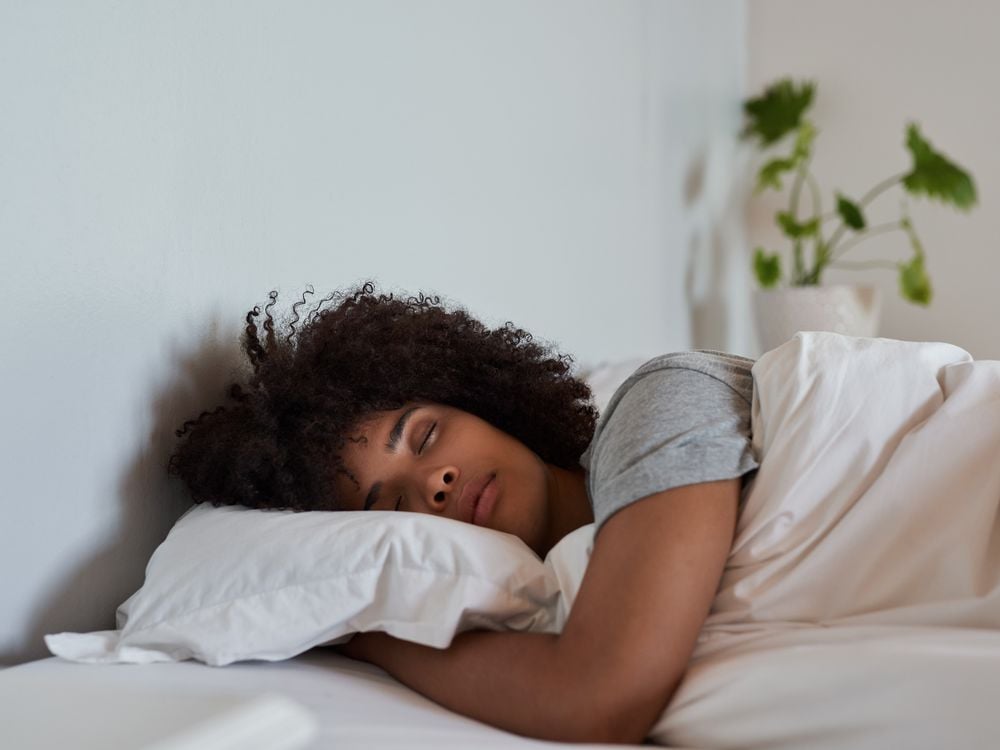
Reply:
x=275, y=443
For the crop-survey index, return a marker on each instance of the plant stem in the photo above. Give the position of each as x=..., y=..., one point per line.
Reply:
x=814, y=188
x=868, y=198
x=865, y=234
x=793, y=207
x=881, y=187
x=801, y=276
x=858, y=265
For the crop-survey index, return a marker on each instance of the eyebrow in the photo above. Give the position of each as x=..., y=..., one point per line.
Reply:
x=395, y=435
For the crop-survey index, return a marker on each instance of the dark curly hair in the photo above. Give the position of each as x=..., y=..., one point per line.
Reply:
x=277, y=443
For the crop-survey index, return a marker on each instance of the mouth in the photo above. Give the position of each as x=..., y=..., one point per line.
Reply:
x=478, y=497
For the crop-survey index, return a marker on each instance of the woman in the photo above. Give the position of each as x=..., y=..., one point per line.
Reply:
x=380, y=403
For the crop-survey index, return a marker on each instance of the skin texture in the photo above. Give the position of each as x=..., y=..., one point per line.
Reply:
x=440, y=451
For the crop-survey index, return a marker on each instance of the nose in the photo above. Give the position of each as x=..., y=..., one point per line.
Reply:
x=441, y=486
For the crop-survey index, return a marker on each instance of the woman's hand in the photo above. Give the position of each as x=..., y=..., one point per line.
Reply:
x=363, y=647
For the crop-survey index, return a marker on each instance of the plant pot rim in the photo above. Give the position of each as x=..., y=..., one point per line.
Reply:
x=815, y=288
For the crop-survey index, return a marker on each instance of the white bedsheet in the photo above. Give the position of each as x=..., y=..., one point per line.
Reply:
x=357, y=706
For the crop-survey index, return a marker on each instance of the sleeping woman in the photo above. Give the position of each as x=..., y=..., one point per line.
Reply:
x=377, y=403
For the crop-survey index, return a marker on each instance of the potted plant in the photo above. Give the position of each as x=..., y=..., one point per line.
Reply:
x=801, y=303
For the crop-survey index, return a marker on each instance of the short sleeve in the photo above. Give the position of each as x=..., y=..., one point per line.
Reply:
x=673, y=427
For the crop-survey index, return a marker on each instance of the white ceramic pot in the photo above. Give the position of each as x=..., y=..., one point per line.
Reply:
x=781, y=313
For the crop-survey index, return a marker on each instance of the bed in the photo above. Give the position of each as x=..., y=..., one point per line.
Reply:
x=859, y=608
x=355, y=706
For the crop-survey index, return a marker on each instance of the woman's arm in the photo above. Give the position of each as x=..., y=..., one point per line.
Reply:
x=649, y=586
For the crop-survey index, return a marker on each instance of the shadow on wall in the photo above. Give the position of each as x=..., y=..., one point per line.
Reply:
x=706, y=303
x=150, y=501
x=713, y=194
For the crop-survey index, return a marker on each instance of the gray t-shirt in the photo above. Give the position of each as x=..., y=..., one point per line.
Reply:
x=679, y=419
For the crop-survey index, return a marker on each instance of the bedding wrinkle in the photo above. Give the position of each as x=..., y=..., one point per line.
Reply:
x=840, y=401
x=857, y=461
x=963, y=431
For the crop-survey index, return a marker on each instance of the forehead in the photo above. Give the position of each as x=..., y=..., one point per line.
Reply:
x=374, y=430
x=368, y=430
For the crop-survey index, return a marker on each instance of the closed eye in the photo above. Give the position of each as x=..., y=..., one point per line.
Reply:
x=427, y=437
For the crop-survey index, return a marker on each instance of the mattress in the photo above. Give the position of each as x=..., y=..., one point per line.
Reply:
x=356, y=705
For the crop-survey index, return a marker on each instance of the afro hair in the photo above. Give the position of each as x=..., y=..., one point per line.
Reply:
x=276, y=441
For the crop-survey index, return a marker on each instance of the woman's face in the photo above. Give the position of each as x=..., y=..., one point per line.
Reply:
x=431, y=458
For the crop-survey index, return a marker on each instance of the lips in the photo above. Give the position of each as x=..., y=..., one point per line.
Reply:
x=468, y=501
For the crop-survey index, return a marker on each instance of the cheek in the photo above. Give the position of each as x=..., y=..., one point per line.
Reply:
x=524, y=503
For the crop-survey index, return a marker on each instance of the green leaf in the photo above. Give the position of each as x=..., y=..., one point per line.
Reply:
x=778, y=111
x=914, y=283
x=795, y=230
x=850, y=212
x=934, y=175
x=767, y=267
x=770, y=173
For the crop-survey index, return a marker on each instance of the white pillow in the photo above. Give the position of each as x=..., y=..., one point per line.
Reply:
x=231, y=584
x=605, y=377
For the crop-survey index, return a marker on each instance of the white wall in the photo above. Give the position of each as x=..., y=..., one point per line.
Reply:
x=877, y=65
x=566, y=165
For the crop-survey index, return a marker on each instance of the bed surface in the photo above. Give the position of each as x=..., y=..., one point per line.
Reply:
x=356, y=705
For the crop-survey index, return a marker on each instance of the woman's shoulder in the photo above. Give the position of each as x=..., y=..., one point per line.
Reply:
x=733, y=370
x=680, y=418
x=708, y=361
x=677, y=387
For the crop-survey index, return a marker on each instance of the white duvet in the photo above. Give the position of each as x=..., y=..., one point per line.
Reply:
x=860, y=605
